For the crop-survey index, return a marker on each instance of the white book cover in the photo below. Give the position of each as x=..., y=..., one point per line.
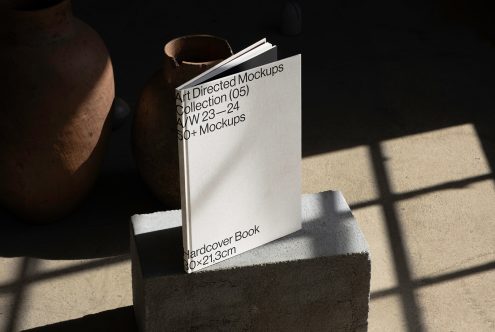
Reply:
x=240, y=158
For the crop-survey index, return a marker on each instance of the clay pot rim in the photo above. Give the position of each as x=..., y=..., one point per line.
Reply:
x=168, y=49
x=51, y=5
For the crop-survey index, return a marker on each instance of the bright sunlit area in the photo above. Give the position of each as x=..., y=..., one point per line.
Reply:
x=426, y=204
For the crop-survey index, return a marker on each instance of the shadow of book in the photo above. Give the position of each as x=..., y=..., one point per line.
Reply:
x=120, y=319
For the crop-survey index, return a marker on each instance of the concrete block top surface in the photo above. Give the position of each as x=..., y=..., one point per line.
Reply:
x=328, y=229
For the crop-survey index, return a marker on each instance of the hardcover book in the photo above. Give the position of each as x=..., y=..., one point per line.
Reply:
x=239, y=136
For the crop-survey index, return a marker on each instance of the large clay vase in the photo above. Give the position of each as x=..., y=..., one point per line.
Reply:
x=155, y=123
x=56, y=90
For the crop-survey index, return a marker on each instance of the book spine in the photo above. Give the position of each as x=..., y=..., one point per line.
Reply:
x=184, y=178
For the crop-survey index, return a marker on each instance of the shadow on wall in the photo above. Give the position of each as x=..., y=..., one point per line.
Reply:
x=120, y=319
x=380, y=80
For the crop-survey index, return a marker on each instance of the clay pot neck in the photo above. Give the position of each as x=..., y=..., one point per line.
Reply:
x=188, y=56
x=37, y=21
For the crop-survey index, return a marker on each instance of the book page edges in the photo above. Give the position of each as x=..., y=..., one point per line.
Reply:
x=184, y=187
x=194, y=80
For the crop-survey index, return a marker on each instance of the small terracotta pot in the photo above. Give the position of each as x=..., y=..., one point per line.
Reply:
x=155, y=124
x=56, y=91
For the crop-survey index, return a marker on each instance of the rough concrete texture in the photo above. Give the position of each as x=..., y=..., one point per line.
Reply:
x=316, y=279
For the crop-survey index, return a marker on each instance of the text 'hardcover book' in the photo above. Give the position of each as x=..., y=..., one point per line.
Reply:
x=239, y=133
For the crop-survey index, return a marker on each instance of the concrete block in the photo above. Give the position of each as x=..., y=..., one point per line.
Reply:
x=316, y=279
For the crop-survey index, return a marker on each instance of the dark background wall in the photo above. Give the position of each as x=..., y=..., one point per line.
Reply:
x=372, y=70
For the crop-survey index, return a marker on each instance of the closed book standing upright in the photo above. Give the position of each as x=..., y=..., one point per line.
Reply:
x=239, y=135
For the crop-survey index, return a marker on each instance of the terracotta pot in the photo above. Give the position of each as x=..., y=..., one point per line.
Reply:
x=155, y=125
x=56, y=91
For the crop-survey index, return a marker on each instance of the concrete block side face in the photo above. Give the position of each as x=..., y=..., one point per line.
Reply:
x=299, y=296
x=194, y=302
x=361, y=308
x=321, y=294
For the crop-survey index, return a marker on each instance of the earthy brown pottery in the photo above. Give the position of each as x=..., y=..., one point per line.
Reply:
x=155, y=129
x=56, y=91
